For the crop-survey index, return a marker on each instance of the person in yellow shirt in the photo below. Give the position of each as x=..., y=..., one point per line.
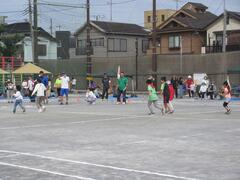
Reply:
x=57, y=86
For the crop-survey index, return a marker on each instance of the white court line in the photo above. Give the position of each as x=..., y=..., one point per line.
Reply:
x=70, y=123
x=12, y=155
x=101, y=165
x=44, y=171
x=208, y=112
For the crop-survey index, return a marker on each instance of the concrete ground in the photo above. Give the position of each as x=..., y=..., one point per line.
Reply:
x=106, y=141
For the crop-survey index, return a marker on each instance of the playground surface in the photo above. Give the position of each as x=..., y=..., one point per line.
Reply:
x=106, y=141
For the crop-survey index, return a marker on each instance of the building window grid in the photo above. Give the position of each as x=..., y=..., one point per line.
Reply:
x=117, y=45
x=97, y=42
x=174, y=41
x=145, y=46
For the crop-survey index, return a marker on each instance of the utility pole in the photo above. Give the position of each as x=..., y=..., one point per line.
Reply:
x=224, y=27
x=88, y=44
x=111, y=4
x=59, y=27
x=136, y=63
x=35, y=32
x=51, y=27
x=154, y=40
x=31, y=26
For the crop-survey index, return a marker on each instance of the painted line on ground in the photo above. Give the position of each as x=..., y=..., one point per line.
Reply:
x=44, y=171
x=146, y=172
x=71, y=123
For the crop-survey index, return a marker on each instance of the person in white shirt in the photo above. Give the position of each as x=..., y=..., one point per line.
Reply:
x=19, y=100
x=40, y=89
x=64, y=87
x=74, y=84
x=90, y=96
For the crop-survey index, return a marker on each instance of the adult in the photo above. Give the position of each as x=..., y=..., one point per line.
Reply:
x=30, y=88
x=106, y=85
x=73, y=84
x=189, y=83
x=174, y=82
x=122, y=84
x=64, y=87
x=25, y=90
x=10, y=90
x=211, y=90
x=57, y=86
x=180, y=87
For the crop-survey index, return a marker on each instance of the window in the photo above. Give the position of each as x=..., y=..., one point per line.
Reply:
x=149, y=19
x=163, y=17
x=94, y=42
x=219, y=39
x=228, y=19
x=145, y=46
x=174, y=41
x=42, y=50
x=117, y=45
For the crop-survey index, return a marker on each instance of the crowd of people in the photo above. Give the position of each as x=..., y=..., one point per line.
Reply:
x=40, y=88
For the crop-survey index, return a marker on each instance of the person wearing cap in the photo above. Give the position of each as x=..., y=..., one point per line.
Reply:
x=189, y=82
x=64, y=87
x=122, y=83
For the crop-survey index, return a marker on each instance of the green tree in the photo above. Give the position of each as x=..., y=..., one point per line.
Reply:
x=10, y=42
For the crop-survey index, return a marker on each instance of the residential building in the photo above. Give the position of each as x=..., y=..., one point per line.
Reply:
x=187, y=28
x=111, y=39
x=215, y=33
x=162, y=16
x=47, y=45
x=63, y=40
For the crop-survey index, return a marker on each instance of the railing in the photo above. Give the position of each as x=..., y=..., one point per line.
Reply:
x=218, y=49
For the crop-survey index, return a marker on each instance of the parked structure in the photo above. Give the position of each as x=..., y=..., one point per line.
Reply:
x=47, y=45
x=186, y=27
x=162, y=16
x=111, y=39
x=215, y=33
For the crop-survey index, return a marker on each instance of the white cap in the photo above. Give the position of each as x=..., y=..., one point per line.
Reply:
x=189, y=76
x=168, y=82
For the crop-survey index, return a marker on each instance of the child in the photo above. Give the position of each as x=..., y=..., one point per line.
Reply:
x=19, y=100
x=166, y=94
x=90, y=96
x=227, y=96
x=171, y=92
x=40, y=89
x=152, y=97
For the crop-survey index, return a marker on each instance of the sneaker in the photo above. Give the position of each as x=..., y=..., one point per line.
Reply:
x=124, y=103
x=151, y=114
x=40, y=110
x=14, y=112
x=170, y=112
x=118, y=103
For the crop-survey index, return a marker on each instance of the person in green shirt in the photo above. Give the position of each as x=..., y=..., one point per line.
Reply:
x=58, y=84
x=122, y=83
x=152, y=97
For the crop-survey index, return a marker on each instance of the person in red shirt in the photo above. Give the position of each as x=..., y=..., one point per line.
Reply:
x=188, y=83
x=171, y=92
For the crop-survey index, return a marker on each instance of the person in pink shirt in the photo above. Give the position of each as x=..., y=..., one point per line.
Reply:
x=172, y=92
x=227, y=95
x=189, y=82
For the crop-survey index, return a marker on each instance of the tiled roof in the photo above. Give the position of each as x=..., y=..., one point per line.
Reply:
x=24, y=28
x=198, y=5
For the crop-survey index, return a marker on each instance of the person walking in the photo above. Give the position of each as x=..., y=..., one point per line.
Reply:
x=30, y=88
x=122, y=83
x=18, y=100
x=174, y=82
x=40, y=91
x=106, y=85
x=180, y=87
x=152, y=97
x=64, y=87
x=171, y=96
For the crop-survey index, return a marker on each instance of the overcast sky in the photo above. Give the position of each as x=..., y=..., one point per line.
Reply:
x=131, y=11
